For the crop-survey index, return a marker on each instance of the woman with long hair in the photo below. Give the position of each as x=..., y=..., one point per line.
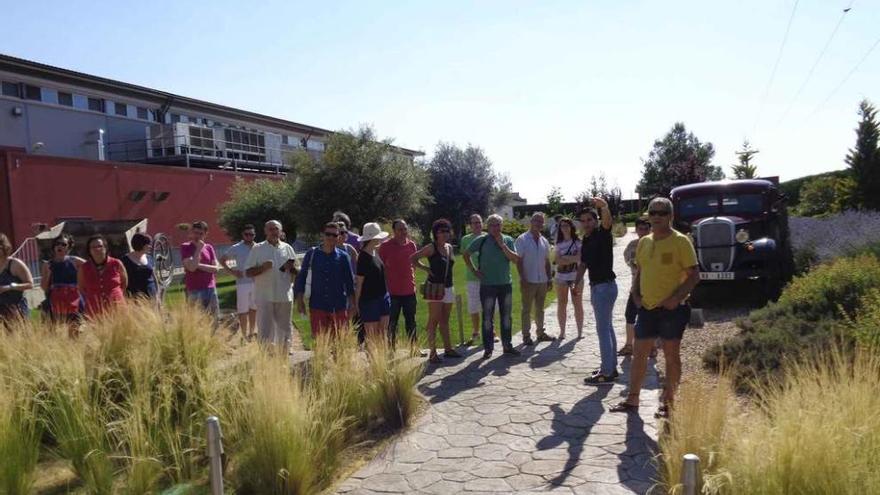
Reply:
x=438, y=291
x=59, y=283
x=568, y=255
x=371, y=299
x=15, y=278
x=102, y=279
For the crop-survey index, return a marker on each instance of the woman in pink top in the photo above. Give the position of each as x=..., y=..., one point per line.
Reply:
x=102, y=279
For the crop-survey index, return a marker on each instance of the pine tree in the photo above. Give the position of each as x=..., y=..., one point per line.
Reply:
x=744, y=169
x=864, y=159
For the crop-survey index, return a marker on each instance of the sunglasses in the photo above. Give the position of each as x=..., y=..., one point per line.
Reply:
x=658, y=213
x=62, y=244
x=331, y=234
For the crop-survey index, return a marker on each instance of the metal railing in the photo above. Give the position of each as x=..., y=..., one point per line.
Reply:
x=197, y=150
x=29, y=253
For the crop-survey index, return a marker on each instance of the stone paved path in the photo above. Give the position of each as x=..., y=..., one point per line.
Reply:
x=524, y=424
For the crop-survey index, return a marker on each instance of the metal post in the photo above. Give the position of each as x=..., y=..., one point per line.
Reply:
x=460, y=320
x=690, y=474
x=215, y=454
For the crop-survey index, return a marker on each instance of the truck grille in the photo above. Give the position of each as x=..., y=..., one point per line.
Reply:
x=715, y=244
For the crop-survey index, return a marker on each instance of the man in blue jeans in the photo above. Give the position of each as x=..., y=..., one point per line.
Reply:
x=597, y=256
x=495, y=253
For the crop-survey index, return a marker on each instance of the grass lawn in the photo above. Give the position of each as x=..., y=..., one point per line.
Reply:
x=226, y=293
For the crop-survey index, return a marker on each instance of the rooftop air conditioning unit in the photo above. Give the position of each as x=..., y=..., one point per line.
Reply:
x=178, y=139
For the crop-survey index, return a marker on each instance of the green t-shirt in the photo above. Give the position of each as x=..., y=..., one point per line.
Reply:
x=475, y=258
x=492, y=262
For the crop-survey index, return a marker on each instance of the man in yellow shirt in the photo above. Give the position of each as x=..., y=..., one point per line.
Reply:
x=666, y=274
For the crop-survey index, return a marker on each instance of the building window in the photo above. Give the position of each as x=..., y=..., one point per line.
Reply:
x=142, y=113
x=175, y=118
x=120, y=109
x=11, y=89
x=96, y=105
x=65, y=99
x=32, y=92
x=81, y=102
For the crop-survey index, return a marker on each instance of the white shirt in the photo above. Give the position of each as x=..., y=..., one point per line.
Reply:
x=534, y=253
x=272, y=285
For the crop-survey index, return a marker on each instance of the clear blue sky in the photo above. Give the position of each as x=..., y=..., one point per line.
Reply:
x=554, y=92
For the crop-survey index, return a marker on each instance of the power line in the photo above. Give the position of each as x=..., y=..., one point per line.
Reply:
x=775, y=66
x=845, y=79
x=818, y=59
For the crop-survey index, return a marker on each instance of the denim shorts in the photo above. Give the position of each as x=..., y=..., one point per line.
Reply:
x=667, y=324
x=374, y=309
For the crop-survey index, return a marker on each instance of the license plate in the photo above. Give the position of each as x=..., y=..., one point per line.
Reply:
x=716, y=276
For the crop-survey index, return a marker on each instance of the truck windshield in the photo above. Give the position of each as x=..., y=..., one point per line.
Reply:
x=731, y=204
x=743, y=203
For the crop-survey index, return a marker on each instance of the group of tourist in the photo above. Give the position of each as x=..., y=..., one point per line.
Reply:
x=367, y=281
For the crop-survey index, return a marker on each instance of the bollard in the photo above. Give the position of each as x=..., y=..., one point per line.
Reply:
x=690, y=474
x=215, y=454
x=458, y=305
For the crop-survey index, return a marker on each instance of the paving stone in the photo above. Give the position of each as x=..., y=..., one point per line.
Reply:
x=465, y=440
x=544, y=467
x=487, y=485
x=456, y=453
x=421, y=479
x=494, y=469
x=518, y=429
x=494, y=420
x=524, y=417
x=386, y=483
x=444, y=487
x=599, y=474
x=491, y=452
x=522, y=482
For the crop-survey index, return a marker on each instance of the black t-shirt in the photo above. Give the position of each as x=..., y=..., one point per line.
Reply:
x=597, y=253
x=371, y=268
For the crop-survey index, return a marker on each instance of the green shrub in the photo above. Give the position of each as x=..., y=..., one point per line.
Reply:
x=865, y=324
x=513, y=228
x=807, y=317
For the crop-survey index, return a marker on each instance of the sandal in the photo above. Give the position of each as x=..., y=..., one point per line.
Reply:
x=624, y=407
x=662, y=411
x=626, y=350
x=435, y=359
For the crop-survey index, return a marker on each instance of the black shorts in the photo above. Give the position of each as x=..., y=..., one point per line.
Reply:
x=631, y=310
x=667, y=324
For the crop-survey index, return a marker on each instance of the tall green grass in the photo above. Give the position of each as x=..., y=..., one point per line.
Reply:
x=125, y=404
x=815, y=431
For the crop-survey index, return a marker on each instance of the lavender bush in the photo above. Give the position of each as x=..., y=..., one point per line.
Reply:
x=834, y=236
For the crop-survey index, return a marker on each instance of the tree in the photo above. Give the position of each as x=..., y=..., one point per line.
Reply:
x=362, y=176
x=745, y=169
x=554, y=201
x=256, y=202
x=864, y=159
x=598, y=188
x=462, y=182
x=677, y=159
x=823, y=195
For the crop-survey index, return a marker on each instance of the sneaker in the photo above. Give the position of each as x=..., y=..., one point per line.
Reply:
x=599, y=379
x=512, y=351
x=528, y=341
x=451, y=353
x=595, y=372
x=487, y=354
x=546, y=338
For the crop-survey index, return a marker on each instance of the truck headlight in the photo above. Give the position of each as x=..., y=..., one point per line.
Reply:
x=742, y=236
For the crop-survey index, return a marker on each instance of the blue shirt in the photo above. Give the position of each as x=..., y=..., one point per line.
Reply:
x=332, y=279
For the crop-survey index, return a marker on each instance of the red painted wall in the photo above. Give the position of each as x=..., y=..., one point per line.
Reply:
x=42, y=189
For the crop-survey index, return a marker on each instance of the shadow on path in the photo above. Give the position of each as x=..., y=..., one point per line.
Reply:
x=468, y=377
x=572, y=428
x=551, y=353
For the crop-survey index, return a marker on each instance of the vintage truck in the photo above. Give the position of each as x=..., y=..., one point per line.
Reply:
x=740, y=231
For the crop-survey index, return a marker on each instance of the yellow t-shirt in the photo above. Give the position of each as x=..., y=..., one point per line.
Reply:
x=662, y=264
